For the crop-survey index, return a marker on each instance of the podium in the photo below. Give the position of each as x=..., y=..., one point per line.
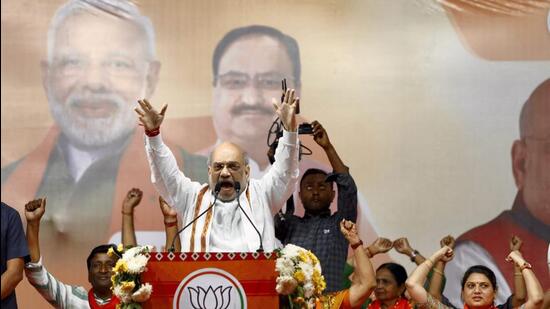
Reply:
x=211, y=280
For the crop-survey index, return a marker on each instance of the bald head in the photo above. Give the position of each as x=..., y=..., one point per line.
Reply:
x=531, y=154
x=534, y=119
x=229, y=147
x=227, y=165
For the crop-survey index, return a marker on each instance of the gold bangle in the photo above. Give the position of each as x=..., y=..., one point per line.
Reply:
x=518, y=274
x=437, y=271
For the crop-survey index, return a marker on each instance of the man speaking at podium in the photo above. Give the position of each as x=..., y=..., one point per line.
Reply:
x=231, y=213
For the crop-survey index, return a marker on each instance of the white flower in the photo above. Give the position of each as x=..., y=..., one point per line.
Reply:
x=284, y=266
x=124, y=297
x=285, y=285
x=130, y=253
x=307, y=269
x=291, y=250
x=295, y=264
x=309, y=289
x=143, y=293
x=136, y=264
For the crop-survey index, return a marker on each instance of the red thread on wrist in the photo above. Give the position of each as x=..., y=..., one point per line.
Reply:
x=153, y=132
x=170, y=224
x=354, y=246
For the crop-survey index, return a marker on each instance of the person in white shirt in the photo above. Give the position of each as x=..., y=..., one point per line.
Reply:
x=57, y=293
x=233, y=222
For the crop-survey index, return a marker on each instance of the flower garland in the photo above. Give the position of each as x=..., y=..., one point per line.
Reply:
x=127, y=285
x=299, y=276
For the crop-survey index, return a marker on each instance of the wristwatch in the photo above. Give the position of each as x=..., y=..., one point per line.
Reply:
x=413, y=255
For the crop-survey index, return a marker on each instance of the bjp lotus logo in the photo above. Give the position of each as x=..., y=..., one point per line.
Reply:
x=209, y=288
x=218, y=298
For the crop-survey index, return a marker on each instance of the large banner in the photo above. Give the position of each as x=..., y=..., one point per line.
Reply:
x=422, y=100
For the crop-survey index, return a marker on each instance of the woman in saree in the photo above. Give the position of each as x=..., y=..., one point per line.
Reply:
x=478, y=284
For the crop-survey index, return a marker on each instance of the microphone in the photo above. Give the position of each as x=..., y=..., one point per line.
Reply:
x=238, y=190
x=216, y=192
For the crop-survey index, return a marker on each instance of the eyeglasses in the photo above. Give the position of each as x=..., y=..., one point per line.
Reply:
x=116, y=66
x=238, y=80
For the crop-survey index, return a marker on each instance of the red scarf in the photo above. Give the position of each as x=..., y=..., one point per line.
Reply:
x=401, y=303
x=110, y=305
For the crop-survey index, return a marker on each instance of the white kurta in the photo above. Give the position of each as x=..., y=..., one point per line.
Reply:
x=261, y=199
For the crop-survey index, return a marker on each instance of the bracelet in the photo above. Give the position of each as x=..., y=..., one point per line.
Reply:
x=127, y=213
x=437, y=271
x=153, y=132
x=170, y=224
x=360, y=243
x=413, y=255
x=518, y=274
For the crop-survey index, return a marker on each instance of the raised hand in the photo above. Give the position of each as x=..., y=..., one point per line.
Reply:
x=380, y=245
x=149, y=118
x=349, y=230
x=132, y=199
x=445, y=254
x=34, y=210
x=402, y=246
x=515, y=256
x=515, y=243
x=287, y=110
x=447, y=241
x=320, y=135
x=167, y=210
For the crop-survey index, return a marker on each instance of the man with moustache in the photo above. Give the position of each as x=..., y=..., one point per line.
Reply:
x=529, y=217
x=100, y=60
x=220, y=223
x=248, y=65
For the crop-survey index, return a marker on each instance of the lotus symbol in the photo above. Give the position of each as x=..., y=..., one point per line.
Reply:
x=218, y=298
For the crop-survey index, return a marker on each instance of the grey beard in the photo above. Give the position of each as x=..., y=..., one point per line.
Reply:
x=93, y=132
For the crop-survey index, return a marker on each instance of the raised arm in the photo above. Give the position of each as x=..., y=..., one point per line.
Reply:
x=378, y=246
x=520, y=293
x=169, y=181
x=34, y=210
x=437, y=280
x=170, y=225
x=55, y=292
x=132, y=199
x=320, y=136
x=535, y=294
x=415, y=282
x=402, y=246
x=280, y=181
x=347, y=190
x=364, y=281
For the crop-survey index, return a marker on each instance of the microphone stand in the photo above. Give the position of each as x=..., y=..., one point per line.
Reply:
x=238, y=190
x=216, y=192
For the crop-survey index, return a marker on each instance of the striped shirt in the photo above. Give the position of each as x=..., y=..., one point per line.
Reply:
x=57, y=293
